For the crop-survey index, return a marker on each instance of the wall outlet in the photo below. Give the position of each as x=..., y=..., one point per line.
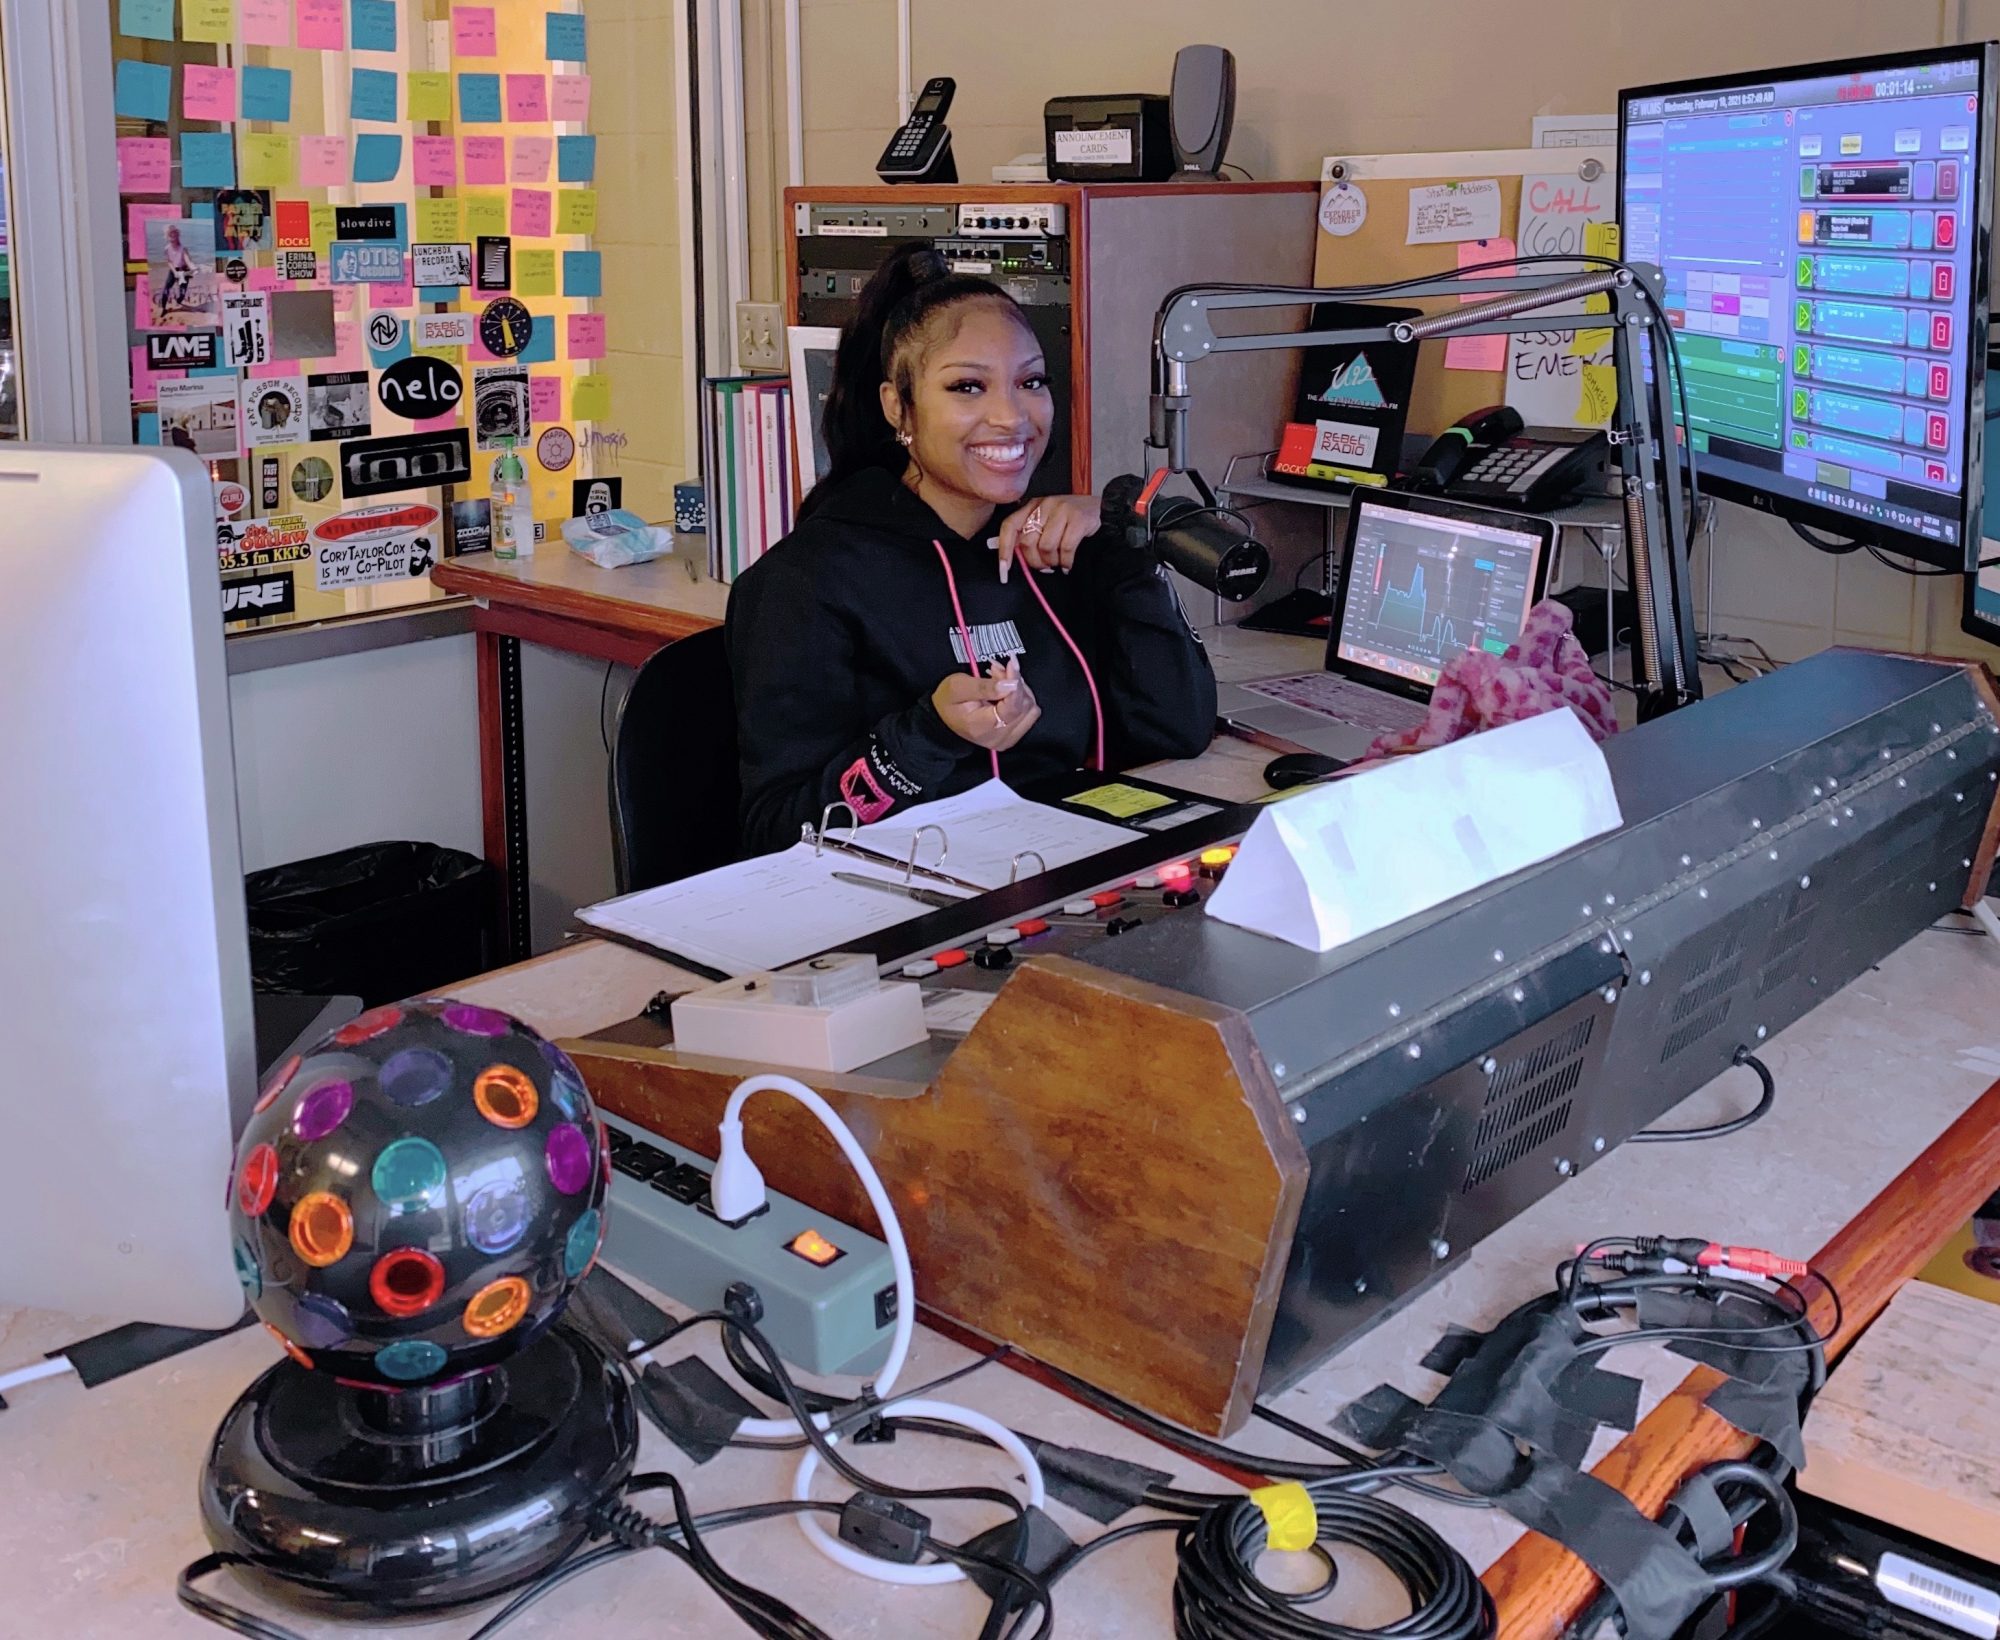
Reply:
x=760, y=336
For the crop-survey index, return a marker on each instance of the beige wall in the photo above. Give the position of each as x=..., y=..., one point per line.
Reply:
x=1316, y=77
x=634, y=102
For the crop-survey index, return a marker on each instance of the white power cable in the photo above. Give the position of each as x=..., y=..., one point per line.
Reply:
x=736, y=1190
x=54, y=1367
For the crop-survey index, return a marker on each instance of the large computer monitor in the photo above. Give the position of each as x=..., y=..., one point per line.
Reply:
x=126, y=1063
x=1824, y=235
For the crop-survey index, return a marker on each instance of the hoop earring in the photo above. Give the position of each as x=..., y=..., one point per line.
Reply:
x=903, y=439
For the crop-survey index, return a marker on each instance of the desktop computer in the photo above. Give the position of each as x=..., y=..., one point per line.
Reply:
x=125, y=977
x=1824, y=235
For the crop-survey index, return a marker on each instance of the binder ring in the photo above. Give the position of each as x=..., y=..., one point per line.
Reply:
x=1014, y=867
x=944, y=848
x=825, y=817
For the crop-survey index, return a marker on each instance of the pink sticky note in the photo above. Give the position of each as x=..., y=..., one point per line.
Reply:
x=347, y=345
x=136, y=218
x=265, y=23
x=320, y=25
x=569, y=97
x=143, y=375
x=477, y=351
x=586, y=335
x=531, y=159
x=529, y=218
x=399, y=295
x=485, y=160
x=527, y=98
x=145, y=165
x=208, y=92
x=263, y=279
x=322, y=162
x=1479, y=352
x=472, y=32
x=434, y=162
x=544, y=399
x=343, y=298
x=435, y=424
x=275, y=367
x=142, y=302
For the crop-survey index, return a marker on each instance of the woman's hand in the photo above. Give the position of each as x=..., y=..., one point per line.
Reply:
x=1045, y=534
x=994, y=711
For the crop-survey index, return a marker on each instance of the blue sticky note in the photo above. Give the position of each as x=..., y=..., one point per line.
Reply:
x=202, y=212
x=267, y=93
x=146, y=19
x=141, y=90
x=576, y=159
x=372, y=25
x=479, y=99
x=427, y=294
x=378, y=156
x=583, y=273
x=208, y=159
x=149, y=427
x=565, y=35
x=371, y=95
x=541, y=348
x=215, y=370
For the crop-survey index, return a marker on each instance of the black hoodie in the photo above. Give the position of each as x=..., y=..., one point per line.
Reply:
x=838, y=635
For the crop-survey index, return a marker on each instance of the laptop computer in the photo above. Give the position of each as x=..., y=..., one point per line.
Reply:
x=1427, y=579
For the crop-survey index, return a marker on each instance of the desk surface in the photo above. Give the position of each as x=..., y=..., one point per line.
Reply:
x=666, y=598
x=97, y=1507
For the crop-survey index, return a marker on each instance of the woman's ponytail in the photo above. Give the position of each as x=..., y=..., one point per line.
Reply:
x=914, y=283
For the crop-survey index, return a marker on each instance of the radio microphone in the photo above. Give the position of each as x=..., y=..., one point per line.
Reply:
x=1212, y=546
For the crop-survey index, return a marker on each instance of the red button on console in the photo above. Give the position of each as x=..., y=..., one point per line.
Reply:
x=1034, y=925
x=949, y=959
x=1109, y=897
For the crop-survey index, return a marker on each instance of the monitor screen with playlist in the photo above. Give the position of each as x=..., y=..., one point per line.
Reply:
x=1424, y=588
x=1822, y=232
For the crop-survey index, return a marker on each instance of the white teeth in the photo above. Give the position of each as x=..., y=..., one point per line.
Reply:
x=1000, y=454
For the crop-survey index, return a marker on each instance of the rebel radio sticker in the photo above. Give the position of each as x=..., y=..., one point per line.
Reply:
x=444, y=329
x=372, y=544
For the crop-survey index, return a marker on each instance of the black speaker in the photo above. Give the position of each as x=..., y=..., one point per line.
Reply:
x=1203, y=108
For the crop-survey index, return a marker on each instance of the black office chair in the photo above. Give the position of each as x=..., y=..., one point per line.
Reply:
x=674, y=786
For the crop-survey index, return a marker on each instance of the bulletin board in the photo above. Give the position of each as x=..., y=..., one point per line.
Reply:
x=360, y=242
x=1372, y=245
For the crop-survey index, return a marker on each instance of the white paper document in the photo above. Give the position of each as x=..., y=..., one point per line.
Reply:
x=1362, y=853
x=780, y=908
x=1444, y=213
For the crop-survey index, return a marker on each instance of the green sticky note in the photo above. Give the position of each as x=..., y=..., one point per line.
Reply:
x=436, y=220
x=429, y=96
x=576, y=210
x=320, y=226
x=1120, y=801
x=486, y=214
x=213, y=21
x=267, y=160
x=590, y=398
x=146, y=19
x=534, y=273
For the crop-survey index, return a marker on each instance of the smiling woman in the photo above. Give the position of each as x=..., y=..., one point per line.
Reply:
x=884, y=653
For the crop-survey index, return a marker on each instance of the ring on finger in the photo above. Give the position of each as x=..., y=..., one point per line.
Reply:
x=1032, y=524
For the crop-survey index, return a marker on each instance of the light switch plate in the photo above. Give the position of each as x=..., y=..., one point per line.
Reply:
x=760, y=336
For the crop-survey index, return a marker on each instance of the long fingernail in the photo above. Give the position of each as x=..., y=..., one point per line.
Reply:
x=1005, y=565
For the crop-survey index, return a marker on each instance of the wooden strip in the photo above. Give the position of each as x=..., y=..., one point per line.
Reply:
x=593, y=611
x=1540, y=1587
x=593, y=639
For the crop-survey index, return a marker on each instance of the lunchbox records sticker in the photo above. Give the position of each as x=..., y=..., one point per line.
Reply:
x=372, y=544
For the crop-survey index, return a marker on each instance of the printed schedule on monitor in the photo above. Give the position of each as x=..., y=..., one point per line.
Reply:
x=1817, y=236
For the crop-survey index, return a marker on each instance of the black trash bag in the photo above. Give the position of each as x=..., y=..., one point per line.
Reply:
x=382, y=922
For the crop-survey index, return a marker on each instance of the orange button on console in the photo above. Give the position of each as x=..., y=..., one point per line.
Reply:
x=814, y=1248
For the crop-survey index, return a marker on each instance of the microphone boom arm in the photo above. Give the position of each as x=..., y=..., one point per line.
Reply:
x=1642, y=422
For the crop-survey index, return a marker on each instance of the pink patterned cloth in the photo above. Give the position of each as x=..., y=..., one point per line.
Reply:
x=1544, y=669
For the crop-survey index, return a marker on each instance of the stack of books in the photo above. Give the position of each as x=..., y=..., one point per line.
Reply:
x=747, y=469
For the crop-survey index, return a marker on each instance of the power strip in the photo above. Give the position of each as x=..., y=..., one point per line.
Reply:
x=827, y=1291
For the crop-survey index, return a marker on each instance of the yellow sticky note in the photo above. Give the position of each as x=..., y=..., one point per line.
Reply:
x=210, y=20
x=1120, y=801
x=534, y=273
x=267, y=160
x=590, y=398
x=430, y=96
x=434, y=221
x=320, y=224
x=486, y=214
x=1600, y=239
x=576, y=210
x=1587, y=344
x=1600, y=393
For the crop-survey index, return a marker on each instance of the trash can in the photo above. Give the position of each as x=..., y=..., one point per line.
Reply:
x=382, y=922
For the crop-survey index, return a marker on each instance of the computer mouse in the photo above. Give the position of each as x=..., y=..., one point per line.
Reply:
x=1299, y=769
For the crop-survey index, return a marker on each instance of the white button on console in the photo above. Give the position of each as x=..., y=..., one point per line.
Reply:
x=1003, y=936
x=922, y=968
x=1077, y=908
x=1150, y=880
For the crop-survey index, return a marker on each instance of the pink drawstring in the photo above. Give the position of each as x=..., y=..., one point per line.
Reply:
x=972, y=658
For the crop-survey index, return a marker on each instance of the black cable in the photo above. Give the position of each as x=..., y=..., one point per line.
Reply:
x=603, y=699
x=1218, y=1595
x=1720, y=1130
